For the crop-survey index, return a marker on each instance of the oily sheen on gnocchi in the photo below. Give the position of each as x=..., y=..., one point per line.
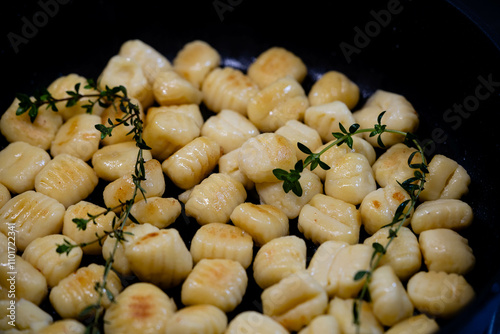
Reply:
x=212, y=243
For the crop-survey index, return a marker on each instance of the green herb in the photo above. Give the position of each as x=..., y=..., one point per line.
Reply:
x=118, y=97
x=413, y=186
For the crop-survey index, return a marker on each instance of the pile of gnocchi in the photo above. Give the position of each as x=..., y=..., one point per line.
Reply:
x=50, y=167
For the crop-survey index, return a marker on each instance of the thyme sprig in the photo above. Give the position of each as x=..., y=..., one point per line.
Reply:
x=118, y=97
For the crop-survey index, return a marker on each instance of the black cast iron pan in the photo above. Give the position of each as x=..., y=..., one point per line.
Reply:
x=427, y=51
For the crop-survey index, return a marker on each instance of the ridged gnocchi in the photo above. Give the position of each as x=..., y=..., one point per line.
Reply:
x=20, y=162
x=160, y=257
x=439, y=294
x=94, y=228
x=191, y=110
x=198, y=319
x=228, y=164
x=341, y=309
x=392, y=165
x=325, y=118
x=446, y=250
x=334, y=86
x=77, y=291
x=297, y=132
x=322, y=259
x=228, y=88
x=218, y=282
x=295, y=300
x=279, y=102
x=322, y=324
x=327, y=218
x=195, y=60
x=399, y=115
x=114, y=114
x=34, y=215
x=442, y=213
x=78, y=137
x=222, y=241
x=214, y=199
x=139, y=308
x=170, y=88
x=272, y=193
x=260, y=155
x=192, y=163
x=157, y=211
x=5, y=195
x=263, y=222
x=254, y=322
x=229, y=129
x=279, y=258
x=42, y=255
x=276, y=63
x=67, y=179
x=417, y=324
x=29, y=318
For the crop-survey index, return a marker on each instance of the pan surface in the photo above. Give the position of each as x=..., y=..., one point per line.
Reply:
x=427, y=51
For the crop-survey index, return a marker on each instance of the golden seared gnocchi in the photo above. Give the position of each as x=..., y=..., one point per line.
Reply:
x=66, y=326
x=346, y=263
x=139, y=308
x=30, y=284
x=157, y=211
x=351, y=179
x=95, y=228
x=120, y=190
x=160, y=257
x=442, y=213
x=326, y=218
x=297, y=132
x=228, y=164
x=417, y=324
x=192, y=163
x=276, y=63
x=279, y=258
x=228, y=88
x=222, y=241
x=77, y=291
x=273, y=106
x=260, y=155
x=124, y=71
x=391, y=303
x=322, y=259
x=191, y=110
x=446, y=179
x=131, y=233
x=195, y=60
x=170, y=88
x=254, y=322
x=214, y=199
x=78, y=136
x=403, y=254
x=229, y=129
x=39, y=133
x=262, y=221
x=399, y=115
x=59, y=88
x=322, y=324
x=295, y=300
x=197, y=319
x=446, y=250
x=168, y=131
x=42, y=255
x=272, y=193
x=114, y=114
x=379, y=206
x=67, y=179
x=334, y=86
x=325, y=118
x=148, y=58
x=29, y=318
x=20, y=162
x=439, y=294
x=111, y=162
x=392, y=165
x=33, y=214
x=341, y=309
x=218, y=282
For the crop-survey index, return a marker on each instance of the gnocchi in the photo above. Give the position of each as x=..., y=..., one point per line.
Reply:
x=170, y=88
x=441, y=213
x=325, y=118
x=254, y=322
x=197, y=319
x=334, y=86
